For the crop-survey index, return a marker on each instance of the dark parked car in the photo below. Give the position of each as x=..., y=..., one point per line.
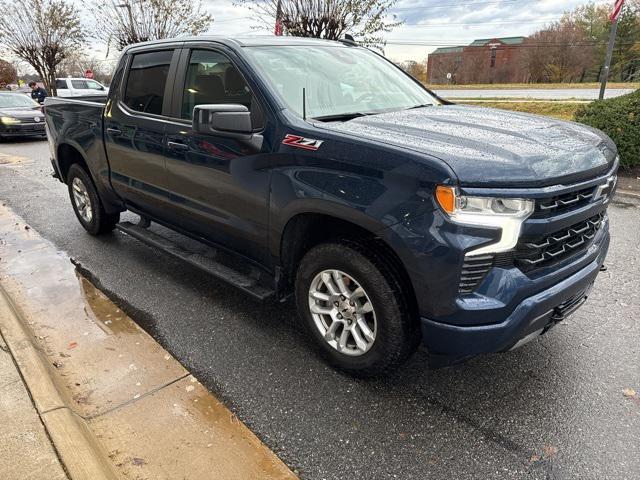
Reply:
x=20, y=116
x=319, y=169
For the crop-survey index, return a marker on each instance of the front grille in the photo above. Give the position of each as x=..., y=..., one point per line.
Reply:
x=533, y=253
x=474, y=269
x=559, y=203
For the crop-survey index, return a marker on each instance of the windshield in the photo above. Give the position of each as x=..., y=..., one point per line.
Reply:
x=8, y=100
x=338, y=81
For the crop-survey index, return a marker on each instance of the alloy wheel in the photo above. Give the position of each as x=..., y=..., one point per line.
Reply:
x=82, y=200
x=342, y=312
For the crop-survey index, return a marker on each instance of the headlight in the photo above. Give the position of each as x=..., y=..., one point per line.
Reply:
x=506, y=213
x=9, y=120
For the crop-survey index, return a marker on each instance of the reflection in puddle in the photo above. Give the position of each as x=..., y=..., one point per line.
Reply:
x=109, y=317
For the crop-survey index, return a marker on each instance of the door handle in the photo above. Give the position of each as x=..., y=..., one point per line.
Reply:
x=177, y=146
x=114, y=131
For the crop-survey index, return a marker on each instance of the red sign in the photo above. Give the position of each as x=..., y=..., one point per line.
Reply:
x=88, y=73
x=616, y=10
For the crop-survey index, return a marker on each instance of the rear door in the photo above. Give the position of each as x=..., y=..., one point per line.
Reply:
x=62, y=87
x=219, y=186
x=78, y=87
x=135, y=125
x=84, y=87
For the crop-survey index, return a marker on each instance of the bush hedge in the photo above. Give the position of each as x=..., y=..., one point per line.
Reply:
x=620, y=119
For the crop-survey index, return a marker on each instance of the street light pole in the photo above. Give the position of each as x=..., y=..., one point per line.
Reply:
x=607, y=61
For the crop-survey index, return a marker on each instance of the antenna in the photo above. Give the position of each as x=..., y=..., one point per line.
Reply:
x=304, y=104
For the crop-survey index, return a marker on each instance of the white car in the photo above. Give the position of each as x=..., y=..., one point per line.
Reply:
x=79, y=87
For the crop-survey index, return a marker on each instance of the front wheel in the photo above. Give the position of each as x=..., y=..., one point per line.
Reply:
x=354, y=309
x=86, y=203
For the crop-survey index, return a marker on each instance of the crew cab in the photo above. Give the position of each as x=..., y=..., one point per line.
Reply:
x=319, y=170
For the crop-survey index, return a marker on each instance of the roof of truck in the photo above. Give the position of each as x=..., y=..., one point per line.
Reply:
x=247, y=41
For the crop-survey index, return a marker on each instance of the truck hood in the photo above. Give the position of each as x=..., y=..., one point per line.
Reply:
x=489, y=147
x=22, y=113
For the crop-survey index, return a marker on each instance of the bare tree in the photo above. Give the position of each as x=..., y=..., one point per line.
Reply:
x=123, y=22
x=8, y=73
x=560, y=53
x=42, y=33
x=417, y=70
x=77, y=64
x=366, y=20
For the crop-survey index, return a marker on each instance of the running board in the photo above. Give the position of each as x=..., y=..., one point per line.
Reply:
x=248, y=283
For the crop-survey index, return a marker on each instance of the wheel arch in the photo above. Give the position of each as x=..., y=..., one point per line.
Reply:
x=305, y=230
x=67, y=155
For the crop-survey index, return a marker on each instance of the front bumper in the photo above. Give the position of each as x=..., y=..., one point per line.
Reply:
x=22, y=130
x=450, y=344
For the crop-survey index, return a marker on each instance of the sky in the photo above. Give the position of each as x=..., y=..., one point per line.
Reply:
x=428, y=24
x=432, y=23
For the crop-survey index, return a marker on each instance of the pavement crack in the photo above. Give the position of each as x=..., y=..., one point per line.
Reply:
x=134, y=400
x=491, y=435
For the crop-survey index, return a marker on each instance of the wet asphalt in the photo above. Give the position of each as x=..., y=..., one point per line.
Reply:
x=558, y=408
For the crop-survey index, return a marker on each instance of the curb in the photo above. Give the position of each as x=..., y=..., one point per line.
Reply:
x=627, y=195
x=77, y=447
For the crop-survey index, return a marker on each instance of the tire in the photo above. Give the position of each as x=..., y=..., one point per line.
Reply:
x=86, y=202
x=395, y=330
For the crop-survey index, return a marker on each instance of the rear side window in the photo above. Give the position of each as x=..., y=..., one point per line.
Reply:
x=61, y=84
x=147, y=80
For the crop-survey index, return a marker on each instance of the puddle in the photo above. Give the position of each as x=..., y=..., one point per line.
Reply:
x=94, y=346
x=139, y=400
x=109, y=317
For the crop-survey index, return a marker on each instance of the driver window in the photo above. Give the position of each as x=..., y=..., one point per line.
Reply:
x=211, y=78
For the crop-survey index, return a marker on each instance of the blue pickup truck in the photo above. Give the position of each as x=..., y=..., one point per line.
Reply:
x=320, y=170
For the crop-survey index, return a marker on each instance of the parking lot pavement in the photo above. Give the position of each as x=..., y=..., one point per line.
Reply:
x=561, y=407
x=533, y=93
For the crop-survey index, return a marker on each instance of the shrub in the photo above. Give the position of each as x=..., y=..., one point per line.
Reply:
x=620, y=119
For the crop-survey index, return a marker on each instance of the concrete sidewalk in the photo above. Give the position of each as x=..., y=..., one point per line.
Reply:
x=111, y=401
x=26, y=451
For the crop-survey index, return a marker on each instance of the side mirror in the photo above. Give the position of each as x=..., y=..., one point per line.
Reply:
x=228, y=120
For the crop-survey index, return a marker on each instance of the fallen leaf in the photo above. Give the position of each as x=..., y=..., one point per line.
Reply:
x=72, y=345
x=535, y=458
x=549, y=451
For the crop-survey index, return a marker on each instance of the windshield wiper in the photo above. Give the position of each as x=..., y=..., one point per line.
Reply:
x=344, y=117
x=420, y=106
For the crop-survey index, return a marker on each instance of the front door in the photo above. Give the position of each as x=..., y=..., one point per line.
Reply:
x=219, y=185
x=135, y=130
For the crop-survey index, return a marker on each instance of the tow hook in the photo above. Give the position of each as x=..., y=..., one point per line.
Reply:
x=603, y=268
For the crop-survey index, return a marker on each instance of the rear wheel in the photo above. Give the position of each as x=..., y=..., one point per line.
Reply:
x=86, y=203
x=354, y=309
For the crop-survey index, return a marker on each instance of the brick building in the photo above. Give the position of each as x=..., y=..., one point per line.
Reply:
x=490, y=60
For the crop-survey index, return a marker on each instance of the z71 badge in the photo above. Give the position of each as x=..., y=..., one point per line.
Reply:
x=301, y=142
